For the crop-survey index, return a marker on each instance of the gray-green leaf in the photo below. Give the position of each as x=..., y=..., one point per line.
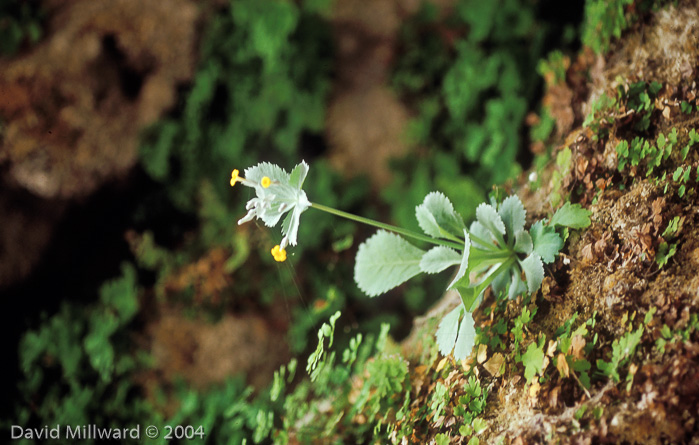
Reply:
x=467, y=337
x=463, y=267
x=513, y=214
x=523, y=242
x=489, y=218
x=448, y=330
x=534, y=271
x=438, y=259
x=437, y=217
x=385, y=261
x=456, y=333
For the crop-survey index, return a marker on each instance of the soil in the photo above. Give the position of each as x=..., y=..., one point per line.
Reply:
x=607, y=271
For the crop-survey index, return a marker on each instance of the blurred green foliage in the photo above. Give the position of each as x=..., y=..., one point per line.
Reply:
x=77, y=365
x=262, y=82
x=607, y=19
x=470, y=78
x=20, y=22
x=604, y=19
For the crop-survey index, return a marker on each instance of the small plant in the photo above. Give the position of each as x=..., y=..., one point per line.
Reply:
x=519, y=325
x=495, y=251
x=639, y=97
x=693, y=139
x=439, y=399
x=599, y=115
x=470, y=406
x=573, y=347
x=623, y=349
x=533, y=359
x=76, y=367
x=636, y=99
x=369, y=382
x=642, y=151
x=686, y=107
x=670, y=337
x=667, y=249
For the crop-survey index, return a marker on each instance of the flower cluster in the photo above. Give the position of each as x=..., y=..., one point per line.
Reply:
x=277, y=193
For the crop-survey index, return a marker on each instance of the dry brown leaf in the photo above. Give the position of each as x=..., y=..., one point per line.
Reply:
x=553, y=396
x=482, y=353
x=441, y=364
x=494, y=365
x=562, y=365
x=587, y=253
x=577, y=345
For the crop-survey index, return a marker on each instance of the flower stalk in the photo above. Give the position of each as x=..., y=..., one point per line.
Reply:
x=389, y=227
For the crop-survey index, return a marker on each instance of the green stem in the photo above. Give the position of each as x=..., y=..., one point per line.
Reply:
x=395, y=229
x=486, y=244
x=468, y=303
x=476, y=254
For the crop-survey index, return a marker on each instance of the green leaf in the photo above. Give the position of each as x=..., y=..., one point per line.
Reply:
x=513, y=214
x=571, y=215
x=385, y=261
x=665, y=252
x=534, y=271
x=439, y=258
x=463, y=267
x=437, y=217
x=469, y=294
x=547, y=243
x=442, y=439
x=533, y=360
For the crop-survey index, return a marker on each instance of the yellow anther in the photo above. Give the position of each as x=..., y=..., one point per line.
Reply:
x=279, y=254
x=266, y=182
x=234, y=177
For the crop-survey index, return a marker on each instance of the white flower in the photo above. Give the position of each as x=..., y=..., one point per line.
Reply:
x=278, y=192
